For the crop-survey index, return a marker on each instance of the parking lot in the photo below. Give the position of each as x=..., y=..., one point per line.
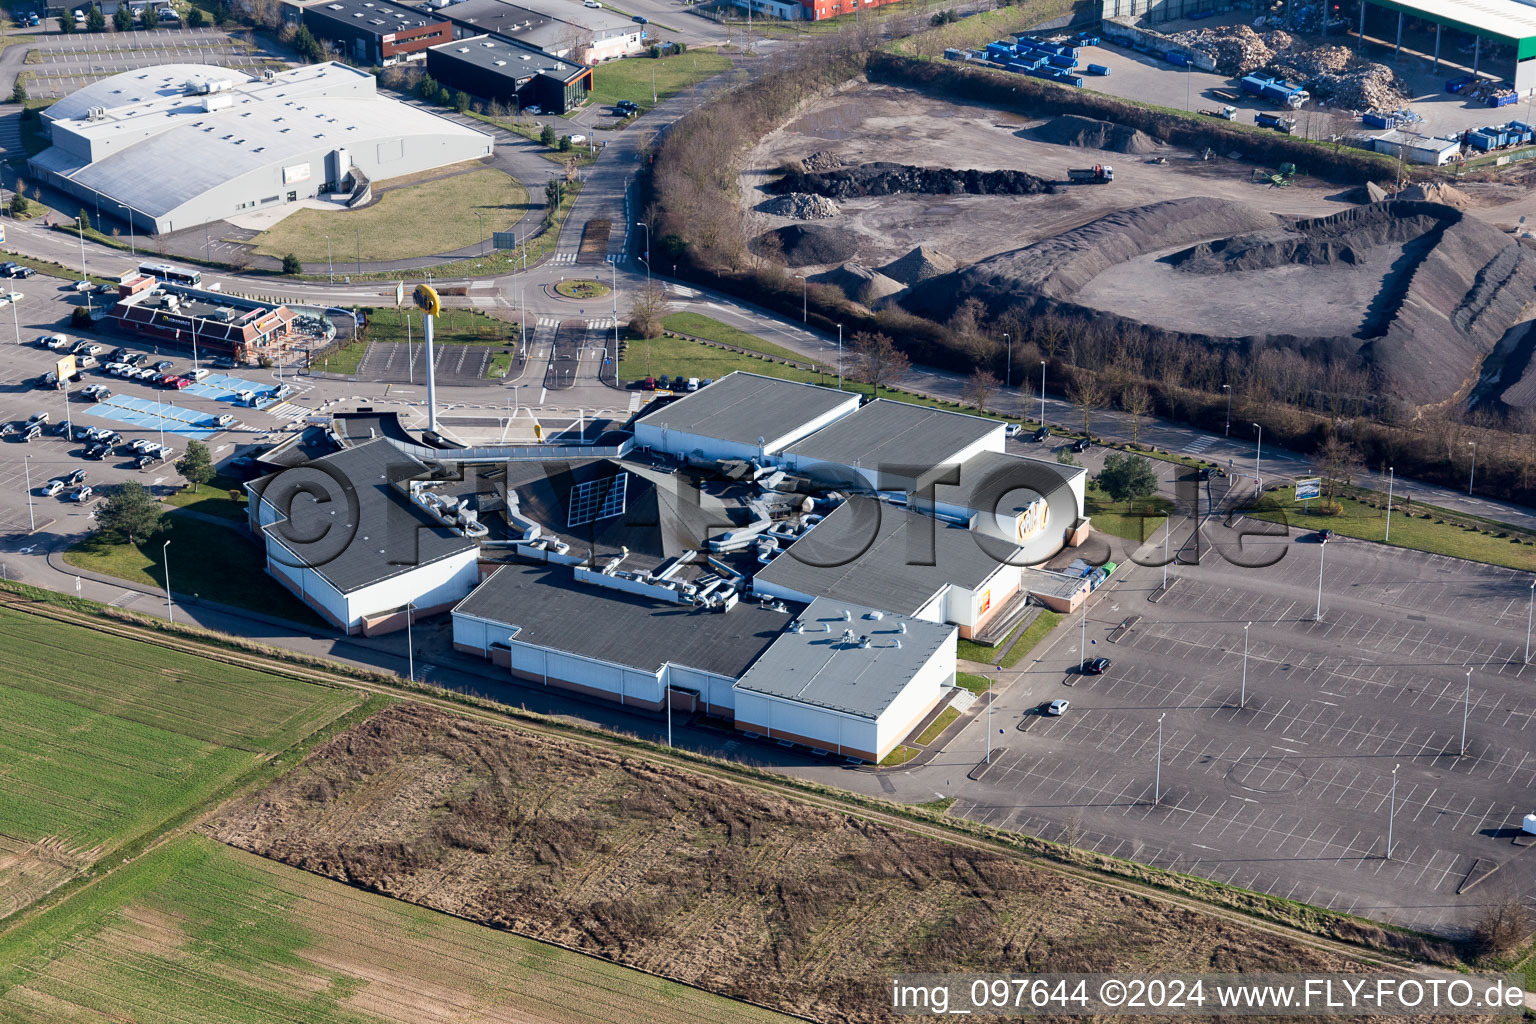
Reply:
x=1283, y=784
x=66, y=63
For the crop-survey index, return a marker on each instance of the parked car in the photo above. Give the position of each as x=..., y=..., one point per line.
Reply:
x=11, y=429
x=90, y=349
x=51, y=488
x=226, y=420
x=81, y=494
x=1057, y=707
x=196, y=374
x=23, y=272
x=641, y=19
x=1082, y=444
x=145, y=461
x=1324, y=536
x=136, y=359
x=32, y=433
x=106, y=288
x=98, y=451
x=693, y=383
x=6, y=298
x=246, y=397
x=145, y=373
x=649, y=384
x=182, y=383
x=1096, y=666
x=82, y=286
x=281, y=391
x=38, y=418
x=166, y=380
x=58, y=342
x=164, y=365
x=679, y=382
x=140, y=445
x=75, y=479
x=1012, y=430
x=1040, y=435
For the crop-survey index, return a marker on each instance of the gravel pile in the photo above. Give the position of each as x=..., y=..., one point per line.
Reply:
x=805, y=245
x=860, y=283
x=1436, y=192
x=919, y=265
x=1073, y=130
x=801, y=206
x=821, y=160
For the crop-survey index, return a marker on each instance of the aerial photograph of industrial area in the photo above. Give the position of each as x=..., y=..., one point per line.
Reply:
x=751, y=511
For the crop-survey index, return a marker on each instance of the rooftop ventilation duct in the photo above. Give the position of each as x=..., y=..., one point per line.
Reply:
x=797, y=626
x=864, y=643
x=876, y=616
x=848, y=636
x=901, y=627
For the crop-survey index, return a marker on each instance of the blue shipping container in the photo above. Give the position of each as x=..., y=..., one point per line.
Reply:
x=1374, y=120
x=1097, y=69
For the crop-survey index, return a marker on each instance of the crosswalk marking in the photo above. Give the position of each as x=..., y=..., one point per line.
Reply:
x=563, y=257
x=1199, y=445
x=605, y=324
x=549, y=321
x=288, y=411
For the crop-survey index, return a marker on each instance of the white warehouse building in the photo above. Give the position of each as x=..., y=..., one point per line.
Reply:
x=179, y=145
x=343, y=535
x=832, y=676
x=742, y=416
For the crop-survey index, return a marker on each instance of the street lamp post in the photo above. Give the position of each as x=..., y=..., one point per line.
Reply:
x=1167, y=529
x=480, y=226
x=804, y=308
x=80, y=230
x=1228, y=389
x=1392, y=809
x=643, y=224
x=1042, y=392
x=839, y=357
x=410, y=646
x=329, y=262
x=1466, y=710
x=1082, y=644
x=668, y=699
x=1258, y=449
x=615, y=268
x=1322, y=554
x=1008, y=373
x=16, y=317
x=1392, y=479
x=1157, y=784
x=1472, y=476
x=1242, y=699
x=31, y=515
x=1530, y=607
x=165, y=553
x=989, y=728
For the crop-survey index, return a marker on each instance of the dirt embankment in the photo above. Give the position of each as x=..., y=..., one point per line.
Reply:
x=886, y=179
x=1437, y=288
x=1072, y=130
x=728, y=888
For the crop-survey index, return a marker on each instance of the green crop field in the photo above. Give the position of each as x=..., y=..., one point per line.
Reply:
x=102, y=739
x=196, y=931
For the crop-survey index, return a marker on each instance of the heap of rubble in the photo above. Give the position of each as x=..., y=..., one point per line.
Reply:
x=1332, y=74
x=1237, y=49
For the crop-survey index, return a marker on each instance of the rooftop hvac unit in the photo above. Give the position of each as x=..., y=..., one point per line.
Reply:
x=797, y=626
x=212, y=103
x=864, y=643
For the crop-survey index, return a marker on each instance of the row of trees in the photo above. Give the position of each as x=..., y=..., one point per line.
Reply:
x=123, y=19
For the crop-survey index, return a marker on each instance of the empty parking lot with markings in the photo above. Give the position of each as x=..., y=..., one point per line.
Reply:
x=1277, y=770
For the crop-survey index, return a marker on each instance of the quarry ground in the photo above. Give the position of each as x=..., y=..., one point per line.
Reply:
x=868, y=122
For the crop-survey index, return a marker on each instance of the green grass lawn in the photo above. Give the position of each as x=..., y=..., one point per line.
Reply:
x=581, y=288
x=1134, y=522
x=1415, y=532
x=707, y=327
x=414, y=220
x=197, y=931
x=104, y=738
x=215, y=562
x=630, y=78
x=977, y=684
x=454, y=327
x=938, y=725
x=645, y=357
x=213, y=498
x=969, y=650
x=901, y=755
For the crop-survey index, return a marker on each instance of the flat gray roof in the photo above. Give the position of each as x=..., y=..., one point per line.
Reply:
x=553, y=610
x=741, y=407
x=880, y=555
x=382, y=534
x=887, y=433
x=504, y=55
x=820, y=667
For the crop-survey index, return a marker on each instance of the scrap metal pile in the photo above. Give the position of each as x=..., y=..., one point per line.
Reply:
x=1332, y=74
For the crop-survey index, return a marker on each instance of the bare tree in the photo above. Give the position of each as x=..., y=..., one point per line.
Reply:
x=648, y=310
x=978, y=388
x=1504, y=925
x=1339, y=462
x=1087, y=393
x=877, y=360
x=1135, y=399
